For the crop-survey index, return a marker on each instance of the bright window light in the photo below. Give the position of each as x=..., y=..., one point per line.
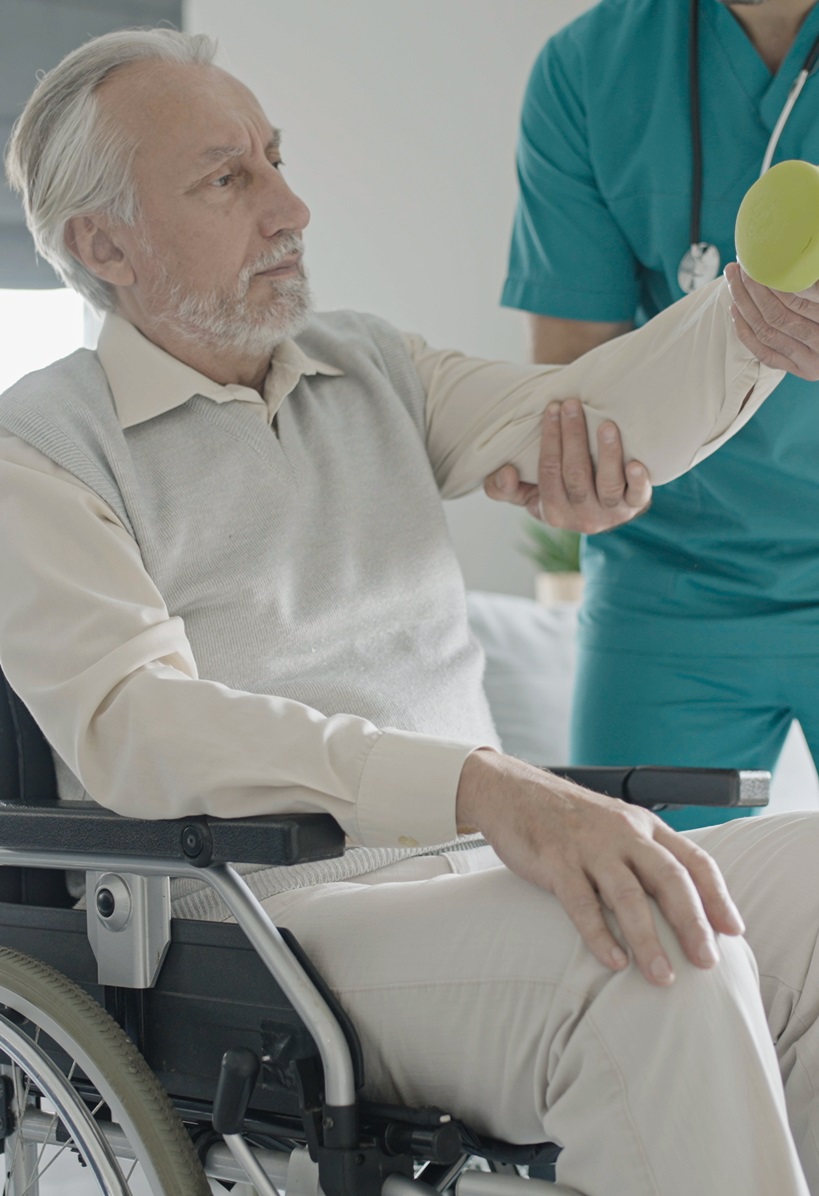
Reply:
x=37, y=327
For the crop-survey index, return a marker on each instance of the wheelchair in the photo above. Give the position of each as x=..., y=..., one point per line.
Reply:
x=141, y=1054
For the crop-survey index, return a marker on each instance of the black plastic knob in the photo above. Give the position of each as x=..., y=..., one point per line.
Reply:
x=105, y=903
x=196, y=843
x=237, y=1079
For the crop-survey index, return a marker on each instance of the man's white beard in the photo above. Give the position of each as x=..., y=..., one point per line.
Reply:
x=226, y=320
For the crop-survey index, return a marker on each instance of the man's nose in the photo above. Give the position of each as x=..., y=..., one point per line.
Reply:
x=282, y=210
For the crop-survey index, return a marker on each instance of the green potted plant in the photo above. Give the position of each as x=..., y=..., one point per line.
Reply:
x=556, y=552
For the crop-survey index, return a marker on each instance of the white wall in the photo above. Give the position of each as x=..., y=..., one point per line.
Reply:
x=400, y=119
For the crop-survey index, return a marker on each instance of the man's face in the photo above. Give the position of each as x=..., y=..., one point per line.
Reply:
x=217, y=251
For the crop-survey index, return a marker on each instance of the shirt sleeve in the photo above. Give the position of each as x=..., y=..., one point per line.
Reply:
x=568, y=256
x=88, y=643
x=677, y=388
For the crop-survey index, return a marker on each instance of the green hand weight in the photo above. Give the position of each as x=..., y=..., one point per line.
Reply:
x=777, y=230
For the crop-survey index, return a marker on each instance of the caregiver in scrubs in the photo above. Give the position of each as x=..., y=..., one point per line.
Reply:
x=644, y=124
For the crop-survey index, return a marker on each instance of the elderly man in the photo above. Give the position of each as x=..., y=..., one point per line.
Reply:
x=227, y=587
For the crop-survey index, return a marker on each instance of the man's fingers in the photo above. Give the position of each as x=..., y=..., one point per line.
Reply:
x=578, y=898
x=622, y=892
x=625, y=896
x=718, y=907
x=674, y=890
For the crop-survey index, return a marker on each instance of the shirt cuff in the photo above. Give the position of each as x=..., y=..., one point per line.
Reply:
x=408, y=789
x=754, y=380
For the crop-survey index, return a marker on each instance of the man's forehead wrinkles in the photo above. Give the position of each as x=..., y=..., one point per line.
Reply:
x=219, y=153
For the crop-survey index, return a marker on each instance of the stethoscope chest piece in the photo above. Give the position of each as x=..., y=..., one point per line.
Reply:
x=701, y=263
x=699, y=266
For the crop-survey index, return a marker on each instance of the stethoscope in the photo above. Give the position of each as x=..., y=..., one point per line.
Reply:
x=701, y=262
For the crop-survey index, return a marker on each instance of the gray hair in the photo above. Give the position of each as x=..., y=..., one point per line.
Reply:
x=65, y=160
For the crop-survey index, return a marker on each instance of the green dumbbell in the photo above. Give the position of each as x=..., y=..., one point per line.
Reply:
x=777, y=230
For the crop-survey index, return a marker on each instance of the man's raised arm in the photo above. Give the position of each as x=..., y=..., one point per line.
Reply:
x=677, y=388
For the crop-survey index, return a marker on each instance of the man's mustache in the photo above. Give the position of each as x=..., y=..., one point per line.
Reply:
x=292, y=244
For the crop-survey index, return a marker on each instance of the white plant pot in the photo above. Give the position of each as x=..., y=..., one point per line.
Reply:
x=556, y=589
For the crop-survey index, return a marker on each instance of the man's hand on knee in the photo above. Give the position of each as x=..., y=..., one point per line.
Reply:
x=591, y=852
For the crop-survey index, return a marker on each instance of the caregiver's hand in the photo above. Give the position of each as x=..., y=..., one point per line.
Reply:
x=781, y=329
x=570, y=493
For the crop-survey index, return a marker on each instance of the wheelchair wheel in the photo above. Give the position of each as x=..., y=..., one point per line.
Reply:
x=82, y=1111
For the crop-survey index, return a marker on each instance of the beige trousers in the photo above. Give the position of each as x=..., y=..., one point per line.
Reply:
x=472, y=991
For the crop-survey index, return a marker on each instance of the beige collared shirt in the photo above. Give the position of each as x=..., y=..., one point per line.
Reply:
x=677, y=388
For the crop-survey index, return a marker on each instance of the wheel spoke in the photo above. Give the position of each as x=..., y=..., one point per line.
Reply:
x=44, y=1004
x=20, y=1105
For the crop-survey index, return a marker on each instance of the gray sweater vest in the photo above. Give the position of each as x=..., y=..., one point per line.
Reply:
x=311, y=560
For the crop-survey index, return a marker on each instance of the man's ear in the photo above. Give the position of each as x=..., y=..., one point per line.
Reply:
x=98, y=248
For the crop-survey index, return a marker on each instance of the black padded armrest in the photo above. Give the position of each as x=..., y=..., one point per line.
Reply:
x=83, y=827
x=653, y=787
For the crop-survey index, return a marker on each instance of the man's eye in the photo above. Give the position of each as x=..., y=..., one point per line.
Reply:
x=276, y=163
x=223, y=180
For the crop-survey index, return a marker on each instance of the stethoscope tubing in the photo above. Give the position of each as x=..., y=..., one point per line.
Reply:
x=696, y=123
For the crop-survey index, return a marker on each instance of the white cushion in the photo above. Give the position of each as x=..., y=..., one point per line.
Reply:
x=530, y=663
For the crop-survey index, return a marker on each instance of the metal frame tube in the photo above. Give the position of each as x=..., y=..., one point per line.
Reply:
x=489, y=1183
x=219, y=1163
x=245, y=1157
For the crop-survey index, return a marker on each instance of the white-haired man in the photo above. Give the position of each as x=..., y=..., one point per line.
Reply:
x=227, y=587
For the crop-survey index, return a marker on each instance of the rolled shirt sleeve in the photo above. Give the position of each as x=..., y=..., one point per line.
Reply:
x=677, y=388
x=110, y=677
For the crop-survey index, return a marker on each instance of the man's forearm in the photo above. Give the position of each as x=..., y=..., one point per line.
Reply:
x=677, y=388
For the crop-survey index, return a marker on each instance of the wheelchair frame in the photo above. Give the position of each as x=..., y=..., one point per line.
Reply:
x=267, y=1080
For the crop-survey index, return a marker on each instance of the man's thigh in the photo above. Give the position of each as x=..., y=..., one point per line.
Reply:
x=447, y=1005
x=474, y=992
x=770, y=865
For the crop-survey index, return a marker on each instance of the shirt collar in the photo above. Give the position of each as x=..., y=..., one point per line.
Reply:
x=146, y=381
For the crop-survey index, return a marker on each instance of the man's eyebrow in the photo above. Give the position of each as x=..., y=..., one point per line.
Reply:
x=222, y=153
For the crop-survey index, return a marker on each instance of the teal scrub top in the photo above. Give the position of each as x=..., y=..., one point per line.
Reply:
x=727, y=558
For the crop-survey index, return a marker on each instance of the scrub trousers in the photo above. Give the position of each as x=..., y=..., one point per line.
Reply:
x=472, y=991
x=695, y=710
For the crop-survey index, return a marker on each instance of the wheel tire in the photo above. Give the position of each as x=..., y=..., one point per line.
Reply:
x=138, y=1102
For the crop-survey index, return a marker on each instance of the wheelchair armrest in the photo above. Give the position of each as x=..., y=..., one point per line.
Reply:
x=273, y=840
x=653, y=787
